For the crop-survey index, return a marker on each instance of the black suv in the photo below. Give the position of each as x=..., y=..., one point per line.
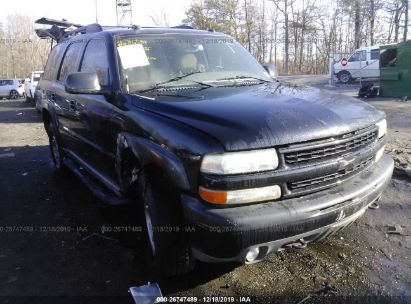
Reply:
x=223, y=162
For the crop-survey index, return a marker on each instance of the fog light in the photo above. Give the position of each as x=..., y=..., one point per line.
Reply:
x=379, y=154
x=252, y=254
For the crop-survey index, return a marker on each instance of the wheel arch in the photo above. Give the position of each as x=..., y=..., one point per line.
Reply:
x=46, y=118
x=135, y=154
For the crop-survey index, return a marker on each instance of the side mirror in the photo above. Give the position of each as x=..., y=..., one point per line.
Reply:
x=82, y=83
x=271, y=70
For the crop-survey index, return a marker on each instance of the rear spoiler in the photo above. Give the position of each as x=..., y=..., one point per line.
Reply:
x=62, y=29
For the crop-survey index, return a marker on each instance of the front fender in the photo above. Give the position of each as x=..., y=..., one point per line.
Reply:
x=147, y=152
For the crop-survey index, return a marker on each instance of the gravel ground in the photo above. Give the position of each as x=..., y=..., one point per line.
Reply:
x=52, y=246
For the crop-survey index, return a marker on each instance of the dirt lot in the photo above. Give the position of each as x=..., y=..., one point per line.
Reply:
x=52, y=245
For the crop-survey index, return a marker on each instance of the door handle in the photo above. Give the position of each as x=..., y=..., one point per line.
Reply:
x=73, y=105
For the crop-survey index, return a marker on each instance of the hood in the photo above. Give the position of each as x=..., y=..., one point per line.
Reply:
x=261, y=116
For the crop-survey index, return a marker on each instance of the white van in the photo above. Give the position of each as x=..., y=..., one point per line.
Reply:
x=31, y=82
x=363, y=63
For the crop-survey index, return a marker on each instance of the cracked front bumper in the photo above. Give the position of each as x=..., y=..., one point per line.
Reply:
x=227, y=234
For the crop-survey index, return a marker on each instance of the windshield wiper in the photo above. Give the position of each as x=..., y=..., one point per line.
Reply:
x=160, y=85
x=242, y=77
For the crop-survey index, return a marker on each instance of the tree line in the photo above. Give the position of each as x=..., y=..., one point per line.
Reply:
x=21, y=51
x=299, y=35
x=296, y=35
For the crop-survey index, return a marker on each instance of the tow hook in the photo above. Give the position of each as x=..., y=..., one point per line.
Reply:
x=375, y=204
x=300, y=244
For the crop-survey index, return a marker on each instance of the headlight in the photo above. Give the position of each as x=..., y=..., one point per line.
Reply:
x=240, y=162
x=382, y=128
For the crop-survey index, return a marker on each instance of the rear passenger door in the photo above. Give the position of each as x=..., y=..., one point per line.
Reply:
x=63, y=101
x=94, y=113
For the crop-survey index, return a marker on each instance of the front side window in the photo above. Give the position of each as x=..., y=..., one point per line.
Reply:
x=69, y=61
x=95, y=59
x=148, y=61
x=358, y=56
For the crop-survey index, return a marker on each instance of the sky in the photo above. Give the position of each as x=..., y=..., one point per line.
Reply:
x=84, y=11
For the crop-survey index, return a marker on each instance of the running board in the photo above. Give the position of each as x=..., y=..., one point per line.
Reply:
x=96, y=188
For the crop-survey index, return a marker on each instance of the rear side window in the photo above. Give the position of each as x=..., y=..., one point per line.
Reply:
x=53, y=62
x=96, y=60
x=69, y=61
x=375, y=54
x=9, y=82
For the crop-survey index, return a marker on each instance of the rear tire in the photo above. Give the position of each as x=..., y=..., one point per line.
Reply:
x=57, y=153
x=167, y=246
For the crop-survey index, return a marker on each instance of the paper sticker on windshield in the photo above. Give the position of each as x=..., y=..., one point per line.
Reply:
x=132, y=56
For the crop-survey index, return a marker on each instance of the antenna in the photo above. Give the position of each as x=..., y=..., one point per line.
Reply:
x=124, y=12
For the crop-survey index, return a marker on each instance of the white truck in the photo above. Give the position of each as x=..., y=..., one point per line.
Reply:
x=30, y=84
x=363, y=63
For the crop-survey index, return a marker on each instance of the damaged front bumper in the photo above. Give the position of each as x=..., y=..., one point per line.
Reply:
x=228, y=234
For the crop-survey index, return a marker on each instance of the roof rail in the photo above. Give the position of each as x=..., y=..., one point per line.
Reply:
x=121, y=26
x=183, y=26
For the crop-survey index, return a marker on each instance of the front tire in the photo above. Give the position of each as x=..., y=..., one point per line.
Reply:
x=167, y=246
x=344, y=77
x=14, y=94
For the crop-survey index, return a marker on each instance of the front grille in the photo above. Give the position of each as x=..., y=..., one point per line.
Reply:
x=329, y=148
x=330, y=179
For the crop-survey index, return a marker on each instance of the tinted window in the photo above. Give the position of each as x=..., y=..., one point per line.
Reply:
x=9, y=82
x=53, y=62
x=95, y=60
x=69, y=61
x=375, y=54
x=388, y=58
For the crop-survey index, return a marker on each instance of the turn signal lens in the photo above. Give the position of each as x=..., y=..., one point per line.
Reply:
x=379, y=154
x=215, y=197
x=251, y=195
x=382, y=128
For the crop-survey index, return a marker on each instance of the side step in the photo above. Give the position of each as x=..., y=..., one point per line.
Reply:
x=96, y=188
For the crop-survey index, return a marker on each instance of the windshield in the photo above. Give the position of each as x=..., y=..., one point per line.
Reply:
x=148, y=62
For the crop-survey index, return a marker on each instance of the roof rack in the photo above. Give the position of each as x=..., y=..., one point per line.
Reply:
x=61, y=29
x=87, y=29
